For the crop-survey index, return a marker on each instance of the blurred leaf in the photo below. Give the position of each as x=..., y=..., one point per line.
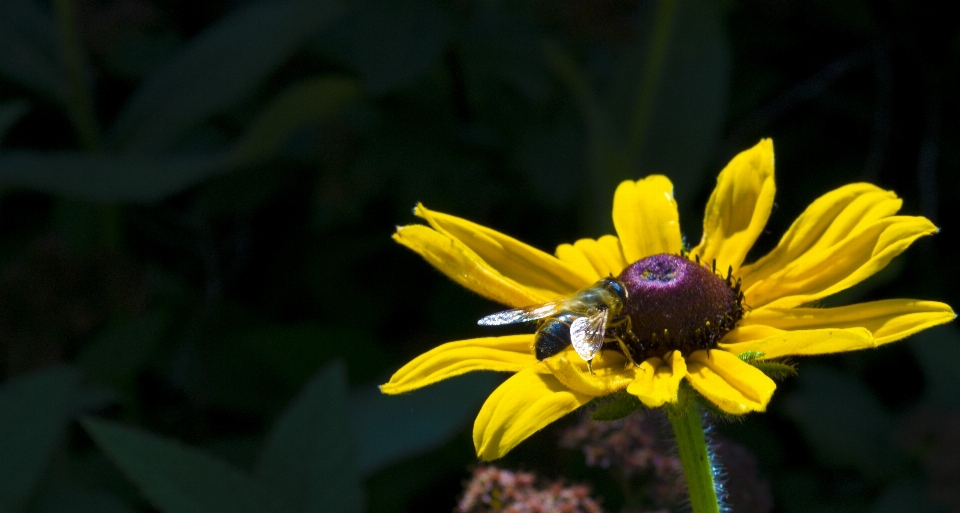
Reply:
x=390, y=428
x=238, y=451
x=34, y=412
x=389, y=43
x=618, y=407
x=904, y=496
x=222, y=66
x=174, y=477
x=843, y=422
x=91, y=398
x=121, y=351
x=70, y=497
x=31, y=48
x=249, y=369
x=938, y=352
x=307, y=101
x=391, y=489
x=104, y=178
x=308, y=460
x=10, y=113
x=137, y=54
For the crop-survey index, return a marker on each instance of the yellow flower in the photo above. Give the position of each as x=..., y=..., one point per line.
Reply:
x=841, y=239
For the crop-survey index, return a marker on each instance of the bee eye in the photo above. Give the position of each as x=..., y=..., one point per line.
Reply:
x=616, y=287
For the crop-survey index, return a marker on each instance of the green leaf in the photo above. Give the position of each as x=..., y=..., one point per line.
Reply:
x=222, y=66
x=843, y=421
x=938, y=353
x=308, y=101
x=749, y=356
x=308, y=460
x=31, y=48
x=391, y=428
x=617, y=407
x=389, y=43
x=906, y=495
x=174, y=477
x=104, y=178
x=34, y=412
x=70, y=497
x=10, y=113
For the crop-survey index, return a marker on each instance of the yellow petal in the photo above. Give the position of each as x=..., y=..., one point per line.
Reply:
x=730, y=383
x=802, y=342
x=511, y=258
x=829, y=220
x=610, y=372
x=594, y=258
x=502, y=354
x=657, y=380
x=520, y=407
x=824, y=271
x=463, y=266
x=646, y=218
x=738, y=208
x=889, y=320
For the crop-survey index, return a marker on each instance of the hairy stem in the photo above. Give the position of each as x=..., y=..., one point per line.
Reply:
x=685, y=418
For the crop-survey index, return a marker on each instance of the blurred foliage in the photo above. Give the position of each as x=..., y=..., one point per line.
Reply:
x=198, y=292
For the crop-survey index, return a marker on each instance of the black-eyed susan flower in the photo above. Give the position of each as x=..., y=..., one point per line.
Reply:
x=693, y=315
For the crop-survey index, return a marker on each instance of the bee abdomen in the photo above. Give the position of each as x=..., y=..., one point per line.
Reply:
x=551, y=338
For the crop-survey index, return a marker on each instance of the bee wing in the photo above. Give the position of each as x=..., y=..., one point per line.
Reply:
x=586, y=334
x=528, y=313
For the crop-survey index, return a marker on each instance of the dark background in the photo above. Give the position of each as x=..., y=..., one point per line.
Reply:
x=197, y=198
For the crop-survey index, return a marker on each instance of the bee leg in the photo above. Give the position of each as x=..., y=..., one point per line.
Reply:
x=626, y=350
x=590, y=366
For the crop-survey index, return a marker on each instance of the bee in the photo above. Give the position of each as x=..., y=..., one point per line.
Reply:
x=583, y=320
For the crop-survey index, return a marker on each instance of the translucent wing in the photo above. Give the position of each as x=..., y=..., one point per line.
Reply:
x=586, y=334
x=529, y=313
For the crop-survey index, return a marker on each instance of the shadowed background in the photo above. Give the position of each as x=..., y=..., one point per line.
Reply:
x=198, y=290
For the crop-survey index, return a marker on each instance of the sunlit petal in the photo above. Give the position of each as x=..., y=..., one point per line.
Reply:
x=611, y=372
x=502, y=354
x=594, y=258
x=732, y=384
x=738, y=208
x=657, y=381
x=513, y=259
x=822, y=271
x=646, y=218
x=802, y=342
x=463, y=266
x=830, y=219
x=520, y=407
x=889, y=320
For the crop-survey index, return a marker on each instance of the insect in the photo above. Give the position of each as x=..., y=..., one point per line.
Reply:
x=582, y=320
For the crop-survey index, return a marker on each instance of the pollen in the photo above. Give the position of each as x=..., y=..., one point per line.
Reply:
x=677, y=304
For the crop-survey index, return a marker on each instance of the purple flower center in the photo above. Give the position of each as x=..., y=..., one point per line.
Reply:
x=674, y=303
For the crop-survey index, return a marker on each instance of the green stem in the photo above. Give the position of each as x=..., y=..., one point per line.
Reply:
x=692, y=445
x=81, y=101
x=80, y=109
x=658, y=45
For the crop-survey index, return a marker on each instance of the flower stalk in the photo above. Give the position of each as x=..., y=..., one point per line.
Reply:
x=687, y=423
